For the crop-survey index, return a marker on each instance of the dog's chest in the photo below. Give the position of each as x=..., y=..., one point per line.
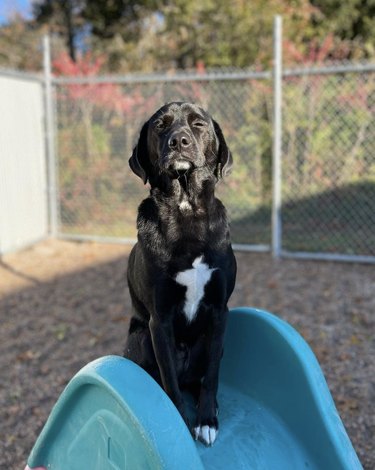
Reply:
x=195, y=280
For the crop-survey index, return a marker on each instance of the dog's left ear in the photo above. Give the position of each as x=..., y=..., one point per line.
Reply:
x=139, y=162
x=224, y=156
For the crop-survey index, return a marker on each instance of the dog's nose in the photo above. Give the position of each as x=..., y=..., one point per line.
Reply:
x=179, y=140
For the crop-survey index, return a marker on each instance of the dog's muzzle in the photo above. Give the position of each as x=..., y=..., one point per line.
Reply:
x=180, y=145
x=180, y=154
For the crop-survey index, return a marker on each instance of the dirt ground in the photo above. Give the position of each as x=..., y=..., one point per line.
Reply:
x=64, y=304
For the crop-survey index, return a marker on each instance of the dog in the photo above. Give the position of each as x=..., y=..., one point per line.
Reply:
x=182, y=269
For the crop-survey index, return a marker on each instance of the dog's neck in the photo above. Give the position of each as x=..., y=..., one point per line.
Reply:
x=190, y=192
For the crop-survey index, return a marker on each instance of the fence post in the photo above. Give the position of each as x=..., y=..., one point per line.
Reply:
x=50, y=137
x=277, y=137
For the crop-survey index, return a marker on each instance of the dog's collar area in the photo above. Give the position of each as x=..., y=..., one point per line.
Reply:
x=182, y=177
x=182, y=173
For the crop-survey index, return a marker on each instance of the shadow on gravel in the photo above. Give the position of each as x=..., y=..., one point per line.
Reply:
x=48, y=332
x=339, y=220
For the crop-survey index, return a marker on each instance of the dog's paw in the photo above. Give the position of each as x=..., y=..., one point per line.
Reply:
x=206, y=434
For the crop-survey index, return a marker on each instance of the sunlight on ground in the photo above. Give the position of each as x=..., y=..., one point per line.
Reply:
x=50, y=259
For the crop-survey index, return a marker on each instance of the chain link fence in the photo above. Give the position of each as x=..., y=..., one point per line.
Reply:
x=328, y=162
x=98, y=123
x=328, y=154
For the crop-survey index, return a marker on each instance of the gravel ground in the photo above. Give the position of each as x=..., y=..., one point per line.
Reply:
x=63, y=304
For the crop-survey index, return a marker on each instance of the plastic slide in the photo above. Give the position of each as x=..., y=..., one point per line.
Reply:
x=276, y=412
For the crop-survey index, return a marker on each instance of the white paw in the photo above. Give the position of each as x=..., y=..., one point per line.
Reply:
x=206, y=434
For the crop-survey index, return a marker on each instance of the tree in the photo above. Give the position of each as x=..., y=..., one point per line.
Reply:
x=161, y=34
x=352, y=21
x=64, y=17
x=20, y=44
x=125, y=30
x=123, y=17
x=149, y=35
x=224, y=34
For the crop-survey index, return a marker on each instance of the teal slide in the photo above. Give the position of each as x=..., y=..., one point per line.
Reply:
x=275, y=412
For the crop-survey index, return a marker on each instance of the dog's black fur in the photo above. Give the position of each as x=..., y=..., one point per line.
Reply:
x=182, y=228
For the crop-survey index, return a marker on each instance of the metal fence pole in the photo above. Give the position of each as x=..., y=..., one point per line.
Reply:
x=50, y=137
x=277, y=136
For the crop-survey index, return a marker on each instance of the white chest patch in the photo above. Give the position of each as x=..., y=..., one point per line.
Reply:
x=194, y=279
x=185, y=206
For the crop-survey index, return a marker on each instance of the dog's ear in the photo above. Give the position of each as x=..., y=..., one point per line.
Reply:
x=139, y=162
x=224, y=156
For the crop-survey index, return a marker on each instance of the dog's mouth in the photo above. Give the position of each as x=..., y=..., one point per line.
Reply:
x=177, y=167
x=181, y=165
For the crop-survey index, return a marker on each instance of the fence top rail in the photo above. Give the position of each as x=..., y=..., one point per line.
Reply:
x=367, y=259
x=234, y=75
x=330, y=69
x=17, y=74
x=165, y=78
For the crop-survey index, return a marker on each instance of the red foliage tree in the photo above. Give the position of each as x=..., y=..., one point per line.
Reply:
x=106, y=95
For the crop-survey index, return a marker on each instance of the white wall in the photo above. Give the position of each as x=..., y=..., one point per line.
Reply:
x=23, y=199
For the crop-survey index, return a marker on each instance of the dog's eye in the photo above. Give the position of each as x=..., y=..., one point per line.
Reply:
x=199, y=124
x=163, y=123
x=160, y=125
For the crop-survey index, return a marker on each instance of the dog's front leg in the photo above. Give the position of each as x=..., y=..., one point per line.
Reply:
x=162, y=335
x=207, y=425
x=162, y=340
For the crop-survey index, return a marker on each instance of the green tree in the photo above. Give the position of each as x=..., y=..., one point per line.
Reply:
x=125, y=31
x=221, y=33
x=352, y=21
x=148, y=35
x=118, y=17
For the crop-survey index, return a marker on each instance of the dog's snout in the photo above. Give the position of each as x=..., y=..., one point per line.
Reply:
x=179, y=141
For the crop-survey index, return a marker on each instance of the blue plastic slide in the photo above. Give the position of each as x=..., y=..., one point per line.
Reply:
x=276, y=412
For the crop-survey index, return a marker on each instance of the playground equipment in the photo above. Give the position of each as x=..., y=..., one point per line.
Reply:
x=276, y=412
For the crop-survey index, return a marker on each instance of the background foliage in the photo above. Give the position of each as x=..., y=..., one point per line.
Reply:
x=328, y=135
x=149, y=35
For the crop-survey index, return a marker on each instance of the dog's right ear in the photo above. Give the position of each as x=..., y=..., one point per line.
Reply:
x=139, y=162
x=224, y=155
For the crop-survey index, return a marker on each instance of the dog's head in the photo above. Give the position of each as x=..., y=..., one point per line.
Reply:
x=178, y=139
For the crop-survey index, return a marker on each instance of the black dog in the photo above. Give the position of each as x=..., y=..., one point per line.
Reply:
x=182, y=270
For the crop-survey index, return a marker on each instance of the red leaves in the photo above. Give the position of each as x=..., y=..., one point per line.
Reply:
x=105, y=95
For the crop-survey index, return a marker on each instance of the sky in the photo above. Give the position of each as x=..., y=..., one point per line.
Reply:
x=9, y=7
